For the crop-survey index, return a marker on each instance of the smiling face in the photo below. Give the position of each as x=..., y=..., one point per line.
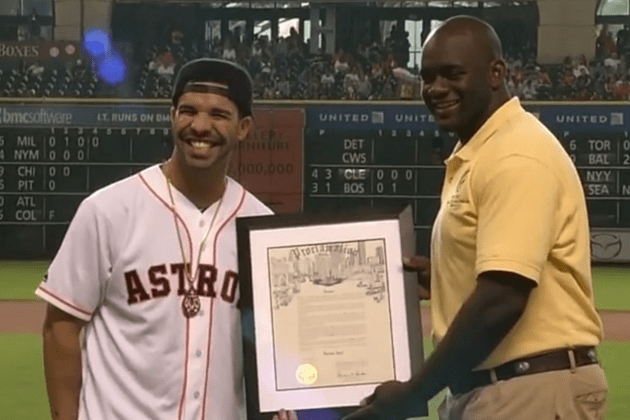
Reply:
x=206, y=128
x=462, y=78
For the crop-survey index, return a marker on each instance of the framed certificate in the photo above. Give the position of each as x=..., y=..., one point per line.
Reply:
x=327, y=311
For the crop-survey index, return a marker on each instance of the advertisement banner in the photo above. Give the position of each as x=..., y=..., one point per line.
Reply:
x=579, y=117
x=610, y=245
x=37, y=50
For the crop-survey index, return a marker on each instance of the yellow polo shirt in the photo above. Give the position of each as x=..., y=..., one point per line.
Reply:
x=512, y=201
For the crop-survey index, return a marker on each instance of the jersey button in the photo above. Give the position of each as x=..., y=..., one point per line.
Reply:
x=198, y=353
x=201, y=313
x=202, y=223
x=196, y=394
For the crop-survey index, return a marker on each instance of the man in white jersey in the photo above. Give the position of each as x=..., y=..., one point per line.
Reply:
x=142, y=319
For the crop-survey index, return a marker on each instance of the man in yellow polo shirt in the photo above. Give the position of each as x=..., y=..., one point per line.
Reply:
x=510, y=278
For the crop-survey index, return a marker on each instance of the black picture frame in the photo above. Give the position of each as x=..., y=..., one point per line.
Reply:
x=364, y=219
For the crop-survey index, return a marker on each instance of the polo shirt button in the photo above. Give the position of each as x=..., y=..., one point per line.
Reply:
x=196, y=394
x=202, y=223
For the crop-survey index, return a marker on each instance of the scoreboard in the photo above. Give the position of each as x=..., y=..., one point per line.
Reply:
x=348, y=167
x=310, y=156
x=365, y=155
x=53, y=156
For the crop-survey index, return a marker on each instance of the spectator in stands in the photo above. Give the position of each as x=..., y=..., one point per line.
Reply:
x=314, y=89
x=515, y=87
x=327, y=82
x=257, y=49
x=599, y=90
x=266, y=66
x=341, y=61
x=269, y=91
x=177, y=37
x=350, y=82
x=568, y=86
x=364, y=87
x=258, y=89
x=283, y=87
x=584, y=80
x=613, y=62
x=529, y=91
x=388, y=90
x=36, y=69
x=604, y=44
x=623, y=43
x=405, y=80
x=609, y=88
x=294, y=39
x=281, y=50
x=176, y=44
x=621, y=90
x=229, y=52
x=22, y=33
x=78, y=70
x=544, y=80
x=166, y=65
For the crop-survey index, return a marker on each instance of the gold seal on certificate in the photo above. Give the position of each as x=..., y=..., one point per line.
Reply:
x=306, y=374
x=327, y=312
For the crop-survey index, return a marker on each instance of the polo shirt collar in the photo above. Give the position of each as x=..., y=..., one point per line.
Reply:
x=506, y=111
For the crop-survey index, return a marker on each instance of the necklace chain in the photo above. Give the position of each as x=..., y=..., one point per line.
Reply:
x=191, y=303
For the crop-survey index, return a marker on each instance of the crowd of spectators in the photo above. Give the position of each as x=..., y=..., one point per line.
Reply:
x=285, y=69
x=374, y=70
x=606, y=77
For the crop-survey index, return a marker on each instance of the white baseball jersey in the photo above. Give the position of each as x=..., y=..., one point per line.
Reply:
x=120, y=268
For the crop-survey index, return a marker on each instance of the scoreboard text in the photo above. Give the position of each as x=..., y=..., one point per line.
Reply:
x=52, y=156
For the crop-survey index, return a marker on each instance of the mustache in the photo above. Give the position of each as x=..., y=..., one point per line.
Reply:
x=214, y=138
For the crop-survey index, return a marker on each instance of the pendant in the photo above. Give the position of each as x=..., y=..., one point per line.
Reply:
x=191, y=303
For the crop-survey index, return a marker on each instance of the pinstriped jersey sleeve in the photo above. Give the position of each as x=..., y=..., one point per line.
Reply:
x=77, y=275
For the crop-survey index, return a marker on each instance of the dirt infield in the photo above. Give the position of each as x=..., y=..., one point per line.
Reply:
x=27, y=317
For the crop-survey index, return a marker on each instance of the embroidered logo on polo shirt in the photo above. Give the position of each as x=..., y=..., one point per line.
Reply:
x=460, y=195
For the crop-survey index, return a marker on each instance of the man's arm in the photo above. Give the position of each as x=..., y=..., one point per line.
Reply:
x=488, y=315
x=62, y=362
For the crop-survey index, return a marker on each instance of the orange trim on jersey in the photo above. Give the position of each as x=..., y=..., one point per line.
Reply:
x=216, y=237
x=214, y=260
x=182, y=399
x=65, y=302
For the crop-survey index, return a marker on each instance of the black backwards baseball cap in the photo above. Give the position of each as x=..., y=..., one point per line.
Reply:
x=211, y=75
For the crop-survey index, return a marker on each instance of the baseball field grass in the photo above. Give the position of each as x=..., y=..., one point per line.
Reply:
x=23, y=390
x=18, y=279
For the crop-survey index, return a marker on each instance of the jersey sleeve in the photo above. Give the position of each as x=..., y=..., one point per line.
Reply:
x=77, y=275
x=517, y=204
